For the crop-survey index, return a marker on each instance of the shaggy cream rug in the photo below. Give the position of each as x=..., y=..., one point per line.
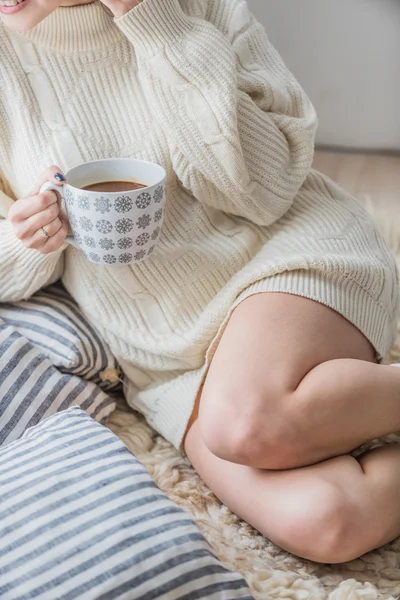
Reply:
x=270, y=572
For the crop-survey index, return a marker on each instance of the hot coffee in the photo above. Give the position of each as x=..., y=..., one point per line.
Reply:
x=113, y=186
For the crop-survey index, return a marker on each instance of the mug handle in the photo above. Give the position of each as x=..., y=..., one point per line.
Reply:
x=50, y=187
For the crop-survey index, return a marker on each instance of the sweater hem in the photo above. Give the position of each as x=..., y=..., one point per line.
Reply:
x=353, y=303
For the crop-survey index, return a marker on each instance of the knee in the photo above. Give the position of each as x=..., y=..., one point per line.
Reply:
x=322, y=526
x=250, y=433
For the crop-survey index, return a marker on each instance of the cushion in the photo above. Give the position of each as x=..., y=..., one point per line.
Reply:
x=48, y=352
x=80, y=517
x=54, y=324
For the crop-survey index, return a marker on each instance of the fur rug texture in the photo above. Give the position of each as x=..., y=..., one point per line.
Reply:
x=271, y=573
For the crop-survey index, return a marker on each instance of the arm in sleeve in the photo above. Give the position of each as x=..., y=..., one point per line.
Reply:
x=22, y=271
x=240, y=128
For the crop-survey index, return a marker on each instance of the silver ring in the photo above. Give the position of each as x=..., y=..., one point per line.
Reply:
x=44, y=233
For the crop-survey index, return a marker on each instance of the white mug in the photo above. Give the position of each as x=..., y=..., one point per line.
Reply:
x=114, y=228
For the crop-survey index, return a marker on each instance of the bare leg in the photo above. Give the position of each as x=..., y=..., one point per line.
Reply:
x=330, y=512
x=293, y=383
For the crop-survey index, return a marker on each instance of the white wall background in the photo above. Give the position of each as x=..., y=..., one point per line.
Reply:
x=346, y=54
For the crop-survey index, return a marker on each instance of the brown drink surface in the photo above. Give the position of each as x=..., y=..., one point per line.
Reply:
x=114, y=186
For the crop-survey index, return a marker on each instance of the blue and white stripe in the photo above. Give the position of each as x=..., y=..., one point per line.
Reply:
x=81, y=518
x=50, y=359
x=52, y=321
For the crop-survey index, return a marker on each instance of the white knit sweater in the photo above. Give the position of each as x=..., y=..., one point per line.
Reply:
x=195, y=86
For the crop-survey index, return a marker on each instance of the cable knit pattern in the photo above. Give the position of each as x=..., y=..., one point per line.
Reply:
x=196, y=87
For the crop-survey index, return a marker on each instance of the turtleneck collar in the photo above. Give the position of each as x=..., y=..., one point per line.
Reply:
x=76, y=29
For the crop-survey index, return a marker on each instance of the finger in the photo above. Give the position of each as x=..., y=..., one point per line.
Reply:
x=52, y=228
x=25, y=208
x=26, y=228
x=64, y=219
x=64, y=216
x=54, y=243
x=37, y=241
x=49, y=175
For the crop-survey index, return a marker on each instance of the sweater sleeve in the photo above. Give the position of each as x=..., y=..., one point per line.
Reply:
x=239, y=127
x=22, y=271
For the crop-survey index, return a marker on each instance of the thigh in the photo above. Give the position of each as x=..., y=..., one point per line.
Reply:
x=272, y=341
x=275, y=333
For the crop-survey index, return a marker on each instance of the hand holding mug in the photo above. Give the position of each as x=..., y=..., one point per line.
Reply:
x=38, y=219
x=115, y=208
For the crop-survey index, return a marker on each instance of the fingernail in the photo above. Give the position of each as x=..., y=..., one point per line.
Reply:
x=59, y=177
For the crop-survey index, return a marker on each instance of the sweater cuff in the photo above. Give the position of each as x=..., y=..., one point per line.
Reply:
x=23, y=270
x=153, y=24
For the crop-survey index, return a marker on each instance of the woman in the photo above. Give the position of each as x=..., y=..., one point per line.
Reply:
x=253, y=334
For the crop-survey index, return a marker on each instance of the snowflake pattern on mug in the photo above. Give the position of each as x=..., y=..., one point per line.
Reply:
x=158, y=215
x=125, y=258
x=77, y=238
x=158, y=194
x=123, y=204
x=140, y=255
x=124, y=225
x=86, y=224
x=106, y=244
x=143, y=200
x=143, y=221
x=83, y=202
x=151, y=250
x=104, y=226
x=102, y=205
x=155, y=234
x=124, y=243
x=109, y=259
x=142, y=239
x=94, y=257
x=68, y=196
x=89, y=241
